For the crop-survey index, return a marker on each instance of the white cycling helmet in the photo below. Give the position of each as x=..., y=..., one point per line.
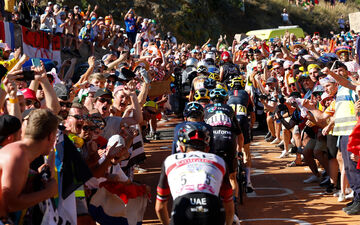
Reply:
x=191, y=62
x=210, y=55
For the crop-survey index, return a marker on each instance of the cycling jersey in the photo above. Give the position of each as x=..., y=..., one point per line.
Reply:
x=239, y=100
x=221, y=116
x=231, y=70
x=193, y=172
x=225, y=129
x=198, y=82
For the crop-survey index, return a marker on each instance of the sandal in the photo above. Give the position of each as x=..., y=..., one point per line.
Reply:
x=294, y=164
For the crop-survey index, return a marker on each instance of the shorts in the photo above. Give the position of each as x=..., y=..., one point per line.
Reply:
x=245, y=128
x=316, y=145
x=98, y=214
x=197, y=209
x=69, y=35
x=332, y=146
x=81, y=206
x=225, y=147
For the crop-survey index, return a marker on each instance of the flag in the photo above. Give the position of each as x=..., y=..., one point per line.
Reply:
x=354, y=142
x=7, y=33
x=38, y=44
x=75, y=171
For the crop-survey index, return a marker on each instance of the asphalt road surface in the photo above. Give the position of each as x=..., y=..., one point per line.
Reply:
x=280, y=196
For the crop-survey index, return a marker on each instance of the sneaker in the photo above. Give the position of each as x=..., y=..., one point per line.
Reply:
x=349, y=196
x=156, y=136
x=270, y=139
x=336, y=194
x=236, y=220
x=275, y=141
x=312, y=179
x=138, y=169
x=249, y=188
x=348, y=206
x=341, y=197
x=355, y=209
x=267, y=135
x=280, y=144
x=325, y=182
x=284, y=154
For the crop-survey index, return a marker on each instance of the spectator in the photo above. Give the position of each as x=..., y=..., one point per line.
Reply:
x=87, y=36
x=130, y=23
x=47, y=21
x=285, y=17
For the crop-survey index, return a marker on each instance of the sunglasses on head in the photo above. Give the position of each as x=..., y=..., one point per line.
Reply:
x=103, y=100
x=86, y=128
x=67, y=104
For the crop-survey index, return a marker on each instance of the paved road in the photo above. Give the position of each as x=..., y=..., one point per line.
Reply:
x=280, y=196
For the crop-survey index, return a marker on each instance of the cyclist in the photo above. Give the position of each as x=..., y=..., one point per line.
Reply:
x=193, y=113
x=189, y=74
x=240, y=101
x=228, y=70
x=202, y=96
x=197, y=181
x=198, y=82
x=226, y=131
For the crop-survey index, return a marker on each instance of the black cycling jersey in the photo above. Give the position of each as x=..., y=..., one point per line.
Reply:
x=225, y=129
x=231, y=70
x=239, y=100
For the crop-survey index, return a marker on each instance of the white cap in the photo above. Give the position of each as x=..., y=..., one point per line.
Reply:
x=116, y=138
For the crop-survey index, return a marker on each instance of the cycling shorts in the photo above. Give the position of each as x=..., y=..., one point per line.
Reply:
x=197, y=209
x=245, y=128
x=225, y=147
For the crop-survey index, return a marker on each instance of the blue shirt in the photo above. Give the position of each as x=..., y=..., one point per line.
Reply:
x=130, y=24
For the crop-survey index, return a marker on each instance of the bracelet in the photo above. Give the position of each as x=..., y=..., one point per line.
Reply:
x=13, y=100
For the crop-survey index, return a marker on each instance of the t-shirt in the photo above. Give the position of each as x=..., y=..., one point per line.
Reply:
x=285, y=17
x=196, y=171
x=130, y=25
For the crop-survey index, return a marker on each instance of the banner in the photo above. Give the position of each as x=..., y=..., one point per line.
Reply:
x=38, y=44
x=7, y=33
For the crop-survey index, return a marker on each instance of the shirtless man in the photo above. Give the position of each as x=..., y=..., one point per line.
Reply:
x=15, y=159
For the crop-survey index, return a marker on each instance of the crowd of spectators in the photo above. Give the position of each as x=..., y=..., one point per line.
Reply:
x=302, y=89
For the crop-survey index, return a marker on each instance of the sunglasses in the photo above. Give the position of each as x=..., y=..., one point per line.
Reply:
x=86, y=128
x=111, y=82
x=29, y=102
x=103, y=100
x=78, y=117
x=67, y=104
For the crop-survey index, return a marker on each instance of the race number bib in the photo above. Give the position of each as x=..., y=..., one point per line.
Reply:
x=239, y=110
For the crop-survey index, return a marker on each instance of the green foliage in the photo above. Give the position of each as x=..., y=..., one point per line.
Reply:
x=195, y=21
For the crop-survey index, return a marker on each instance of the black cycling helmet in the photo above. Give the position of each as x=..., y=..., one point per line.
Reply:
x=210, y=83
x=218, y=94
x=194, y=135
x=237, y=83
x=202, y=94
x=193, y=110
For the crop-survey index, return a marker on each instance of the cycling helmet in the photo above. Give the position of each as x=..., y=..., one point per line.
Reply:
x=202, y=94
x=210, y=83
x=213, y=69
x=221, y=86
x=194, y=110
x=195, y=135
x=237, y=82
x=210, y=55
x=218, y=93
x=191, y=62
x=203, y=63
x=225, y=56
x=214, y=76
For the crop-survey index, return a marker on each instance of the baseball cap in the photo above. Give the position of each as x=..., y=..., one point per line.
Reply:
x=125, y=74
x=116, y=138
x=271, y=80
x=29, y=94
x=318, y=88
x=61, y=91
x=8, y=125
x=103, y=91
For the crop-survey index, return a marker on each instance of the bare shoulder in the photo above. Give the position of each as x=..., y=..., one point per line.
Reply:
x=12, y=153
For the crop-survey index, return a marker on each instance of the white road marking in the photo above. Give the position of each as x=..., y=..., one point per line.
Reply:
x=254, y=195
x=300, y=222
